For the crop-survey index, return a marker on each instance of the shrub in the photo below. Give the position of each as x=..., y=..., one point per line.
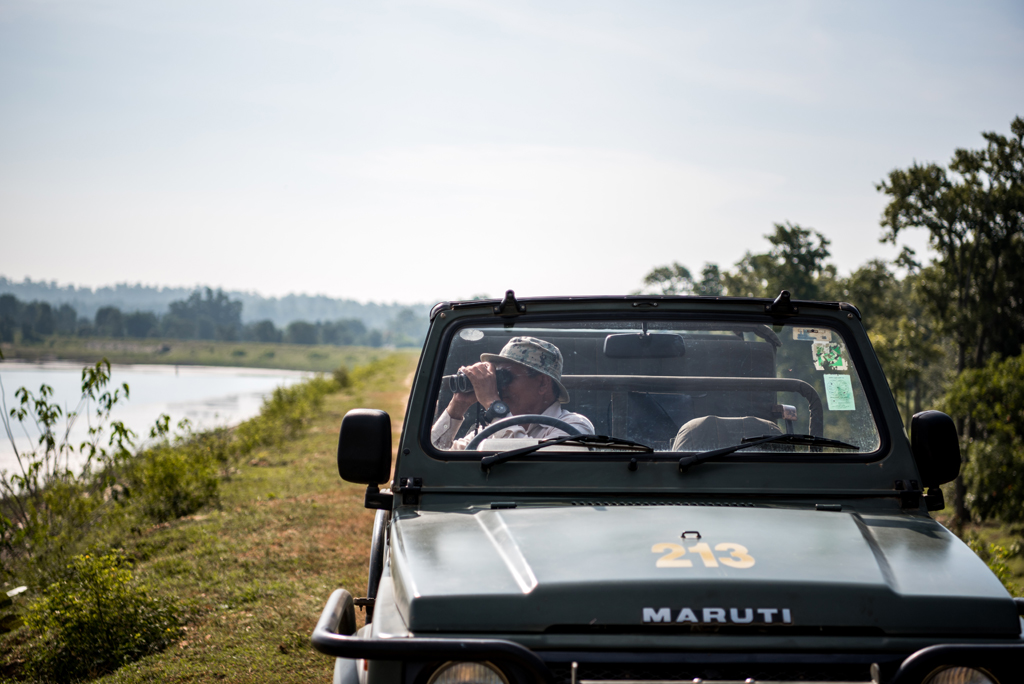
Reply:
x=995, y=557
x=284, y=413
x=176, y=480
x=95, y=620
x=45, y=507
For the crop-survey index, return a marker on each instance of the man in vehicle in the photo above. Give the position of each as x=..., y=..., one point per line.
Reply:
x=531, y=372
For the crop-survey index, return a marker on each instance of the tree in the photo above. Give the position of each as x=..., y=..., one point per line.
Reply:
x=344, y=332
x=66, y=320
x=140, y=324
x=84, y=327
x=974, y=215
x=674, y=279
x=710, y=284
x=178, y=327
x=44, y=322
x=901, y=332
x=205, y=315
x=795, y=262
x=876, y=291
x=263, y=331
x=993, y=398
x=10, y=315
x=407, y=329
x=301, y=332
x=109, y=322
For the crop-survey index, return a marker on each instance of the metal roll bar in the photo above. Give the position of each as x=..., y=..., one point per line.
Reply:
x=671, y=383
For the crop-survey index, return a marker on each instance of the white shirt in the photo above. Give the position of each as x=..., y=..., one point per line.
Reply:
x=442, y=435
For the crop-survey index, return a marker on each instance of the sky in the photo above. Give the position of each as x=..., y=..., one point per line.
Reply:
x=417, y=151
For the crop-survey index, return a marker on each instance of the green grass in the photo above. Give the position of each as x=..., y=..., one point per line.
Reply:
x=255, y=571
x=199, y=353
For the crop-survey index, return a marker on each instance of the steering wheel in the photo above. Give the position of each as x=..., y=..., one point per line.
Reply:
x=533, y=418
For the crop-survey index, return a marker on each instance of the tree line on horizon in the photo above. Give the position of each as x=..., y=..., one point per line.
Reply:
x=949, y=334
x=205, y=315
x=131, y=297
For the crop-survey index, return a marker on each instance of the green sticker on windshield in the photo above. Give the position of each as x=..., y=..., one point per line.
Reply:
x=839, y=393
x=828, y=356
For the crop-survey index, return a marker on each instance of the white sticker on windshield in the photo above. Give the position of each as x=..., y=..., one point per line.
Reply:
x=839, y=392
x=812, y=334
x=828, y=356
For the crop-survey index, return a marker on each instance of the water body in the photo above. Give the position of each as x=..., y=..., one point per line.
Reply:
x=205, y=395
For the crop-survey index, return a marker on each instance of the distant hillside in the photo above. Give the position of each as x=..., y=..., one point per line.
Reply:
x=281, y=311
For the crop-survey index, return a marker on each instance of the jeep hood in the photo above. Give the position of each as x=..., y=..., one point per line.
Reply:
x=565, y=568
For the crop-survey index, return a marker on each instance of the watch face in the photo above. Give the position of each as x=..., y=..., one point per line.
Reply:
x=497, y=410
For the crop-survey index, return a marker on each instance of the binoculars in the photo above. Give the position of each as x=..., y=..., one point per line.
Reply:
x=460, y=384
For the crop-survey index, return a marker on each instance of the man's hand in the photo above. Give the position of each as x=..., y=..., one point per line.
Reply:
x=485, y=382
x=485, y=389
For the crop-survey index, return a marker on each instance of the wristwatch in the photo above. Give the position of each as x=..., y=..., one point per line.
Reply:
x=496, y=411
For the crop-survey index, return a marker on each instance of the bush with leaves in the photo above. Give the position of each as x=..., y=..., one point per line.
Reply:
x=284, y=413
x=48, y=503
x=96, y=619
x=173, y=481
x=178, y=475
x=342, y=378
x=995, y=557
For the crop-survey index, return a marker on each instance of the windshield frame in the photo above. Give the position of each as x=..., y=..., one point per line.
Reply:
x=860, y=365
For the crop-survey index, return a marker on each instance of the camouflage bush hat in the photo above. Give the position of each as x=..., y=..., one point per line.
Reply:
x=535, y=354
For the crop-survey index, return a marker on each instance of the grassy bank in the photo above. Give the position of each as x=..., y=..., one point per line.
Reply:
x=323, y=358
x=254, y=570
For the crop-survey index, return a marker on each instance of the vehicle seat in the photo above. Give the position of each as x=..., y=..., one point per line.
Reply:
x=713, y=432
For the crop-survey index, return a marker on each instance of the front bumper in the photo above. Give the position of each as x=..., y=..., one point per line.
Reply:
x=334, y=636
x=327, y=639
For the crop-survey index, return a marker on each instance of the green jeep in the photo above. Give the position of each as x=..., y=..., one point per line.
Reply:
x=642, y=490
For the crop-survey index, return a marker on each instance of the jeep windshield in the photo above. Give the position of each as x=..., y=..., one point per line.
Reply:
x=676, y=386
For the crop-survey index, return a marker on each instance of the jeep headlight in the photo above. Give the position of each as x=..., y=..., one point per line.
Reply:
x=960, y=675
x=454, y=672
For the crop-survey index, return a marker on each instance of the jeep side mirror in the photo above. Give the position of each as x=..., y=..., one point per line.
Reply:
x=364, y=447
x=936, y=447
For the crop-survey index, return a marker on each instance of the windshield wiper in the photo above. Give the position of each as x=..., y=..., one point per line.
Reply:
x=572, y=440
x=747, y=442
